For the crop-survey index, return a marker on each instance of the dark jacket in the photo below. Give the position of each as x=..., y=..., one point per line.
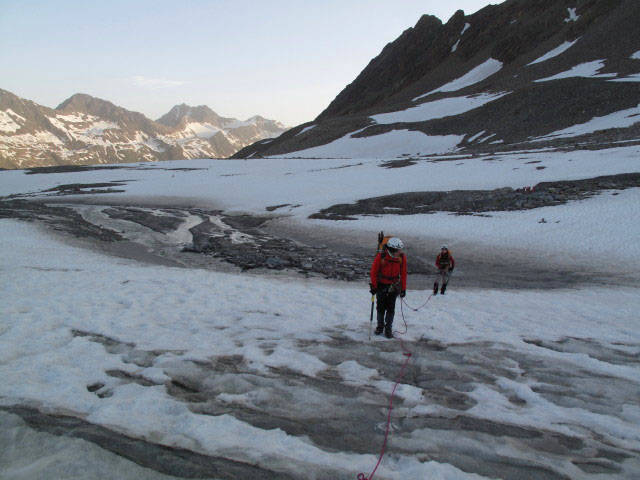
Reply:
x=445, y=261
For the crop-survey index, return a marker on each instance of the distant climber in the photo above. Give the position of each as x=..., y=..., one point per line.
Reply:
x=388, y=280
x=445, y=264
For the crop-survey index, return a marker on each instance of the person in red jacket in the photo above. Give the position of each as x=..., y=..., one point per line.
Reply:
x=388, y=280
x=445, y=264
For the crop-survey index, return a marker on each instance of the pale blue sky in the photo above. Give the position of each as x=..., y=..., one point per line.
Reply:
x=282, y=59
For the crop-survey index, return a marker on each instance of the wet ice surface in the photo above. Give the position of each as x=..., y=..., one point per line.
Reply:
x=338, y=416
x=501, y=405
x=438, y=415
x=271, y=244
x=477, y=266
x=39, y=447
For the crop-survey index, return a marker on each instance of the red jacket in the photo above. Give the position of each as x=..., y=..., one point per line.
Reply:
x=388, y=270
x=441, y=263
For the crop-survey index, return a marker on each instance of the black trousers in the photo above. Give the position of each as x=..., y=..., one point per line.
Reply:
x=386, y=304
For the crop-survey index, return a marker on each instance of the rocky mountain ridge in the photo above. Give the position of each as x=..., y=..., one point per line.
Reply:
x=522, y=74
x=84, y=130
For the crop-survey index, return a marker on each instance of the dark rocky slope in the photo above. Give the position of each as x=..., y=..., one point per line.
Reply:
x=515, y=33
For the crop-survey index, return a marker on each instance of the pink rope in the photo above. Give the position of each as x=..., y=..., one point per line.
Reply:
x=407, y=353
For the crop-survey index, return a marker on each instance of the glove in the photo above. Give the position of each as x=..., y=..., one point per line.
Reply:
x=373, y=290
x=403, y=293
x=451, y=269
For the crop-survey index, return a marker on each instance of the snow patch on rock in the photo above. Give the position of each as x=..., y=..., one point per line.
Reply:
x=475, y=75
x=445, y=107
x=306, y=129
x=586, y=70
x=387, y=145
x=8, y=121
x=634, y=77
x=572, y=16
x=555, y=52
x=621, y=119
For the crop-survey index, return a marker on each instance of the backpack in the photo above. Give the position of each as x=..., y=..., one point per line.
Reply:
x=382, y=241
x=384, y=261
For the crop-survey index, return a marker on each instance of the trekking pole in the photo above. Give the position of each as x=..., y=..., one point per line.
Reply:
x=373, y=297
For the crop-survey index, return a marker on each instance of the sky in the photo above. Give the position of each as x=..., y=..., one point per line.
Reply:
x=283, y=59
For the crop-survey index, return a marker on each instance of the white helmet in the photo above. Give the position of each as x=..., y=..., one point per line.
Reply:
x=395, y=243
x=444, y=247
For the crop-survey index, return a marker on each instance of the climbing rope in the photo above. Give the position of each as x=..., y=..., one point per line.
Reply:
x=407, y=353
x=414, y=309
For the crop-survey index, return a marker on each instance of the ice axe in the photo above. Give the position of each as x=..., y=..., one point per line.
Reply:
x=373, y=295
x=373, y=298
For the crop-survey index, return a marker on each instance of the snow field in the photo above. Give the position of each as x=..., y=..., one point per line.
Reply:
x=593, y=232
x=194, y=315
x=387, y=145
x=606, y=231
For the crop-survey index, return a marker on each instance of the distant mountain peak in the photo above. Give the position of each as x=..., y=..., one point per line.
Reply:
x=183, y=114
x=87, y=130
x=85, y=103
x=180, y=114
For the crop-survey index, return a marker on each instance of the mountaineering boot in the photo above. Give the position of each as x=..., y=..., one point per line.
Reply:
x=444, y=287
x=435, y=288
x=387, y=331
x=380, y=325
